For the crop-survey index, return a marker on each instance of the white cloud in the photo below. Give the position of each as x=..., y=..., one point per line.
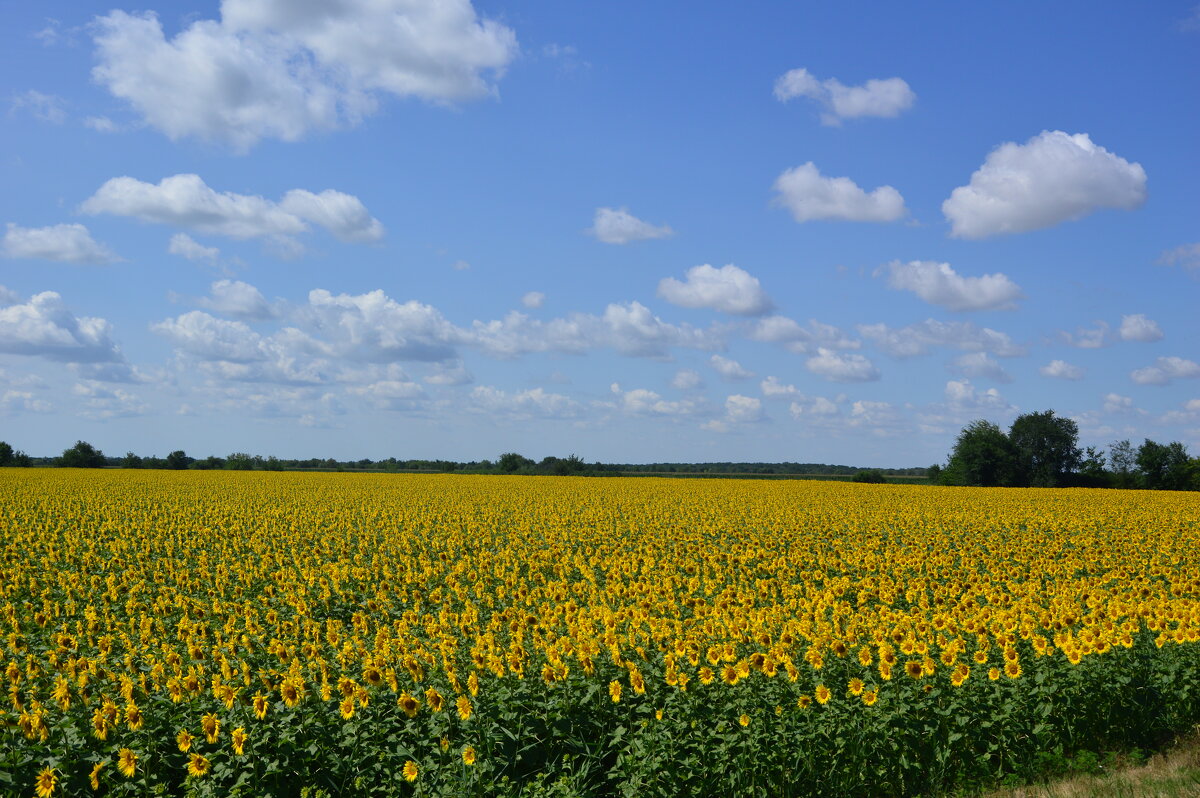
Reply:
x=881, y=98
x=210, y=338
x=44, y=107
x=278, y=69
x=938, y=284
x=979, y=364
x=1061, y=370
x=729, y=369
x=460, y=265
x=44, y=327
x=727, y=289
x=1186, y=255
x=772, y=388
x=65, y=243
x=185, y=246
x=185, y=200
x=1089, y=338
x=809, y=197
x=8, y=296
x=533, y=300
x=1139, y=328
x=962, y=397
x=841, y=367
x=398, y=394
x=687, y=380
x=101, y=124
x=450, y=374
x=619, y=226
x=99, y=401
x=742, y=409
x=374, y=328
x=238, y=300
x=1054, y=177
x=919, y=338
x=801, y=340
x=1115, y=403
x=1165, y=369
x=13, y=401
x=819, y=407
x=643, y=402
x=536, y=403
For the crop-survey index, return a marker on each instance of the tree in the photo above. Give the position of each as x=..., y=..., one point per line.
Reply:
x=1122, y=462
x=177, y=460
x=131, y=460
x=872, y=477
x=1091, y=470
x=239, y=461
x=511, y=462
x=1165, y=467
x=1045, y=449
x=6, y=453
x=982, y=456
x=82, y=455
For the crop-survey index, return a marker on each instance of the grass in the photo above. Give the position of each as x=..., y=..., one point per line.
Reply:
x=1174, y=773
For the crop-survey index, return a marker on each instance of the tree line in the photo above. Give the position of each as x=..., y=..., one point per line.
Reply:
x=1041, y=450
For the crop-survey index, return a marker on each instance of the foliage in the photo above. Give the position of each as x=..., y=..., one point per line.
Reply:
x=6, y=453
x=874, y=476
x=82, y=455
x=983, y=456
x=504, y=636
x=178, y=460
x=1045, y=449
x=1167, y=467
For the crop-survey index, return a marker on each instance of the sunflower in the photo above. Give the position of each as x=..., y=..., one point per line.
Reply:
x=100, y=725
x=637, y=682
x=981, y=657
x=994, y=674
x=410, y=771
x=211, y=726
x=239, y=740
x=184, y=740
x=127, y=762
x=915, y=669
x=822, y=694
x=468, y=755
x=409, y=704
x=291, y=692
x=960, y=675
x=94, y=776
x=864, y=656
x=473, y=683
x=804, y=701
x=856, y=686
x=47, y=778
x=372, y=676
x=706, y=675
x=1012, y=669
x=133, y=717
x=198, y=765
x=260, y=706
x=729, y=675
x=744, y=719
x=463, y=704
x=347, y=708
x=614, y=691
x=869, y=697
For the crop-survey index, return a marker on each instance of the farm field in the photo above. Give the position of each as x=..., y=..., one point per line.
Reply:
x=229, y=633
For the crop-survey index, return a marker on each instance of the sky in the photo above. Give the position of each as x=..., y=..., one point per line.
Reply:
x=635, y=232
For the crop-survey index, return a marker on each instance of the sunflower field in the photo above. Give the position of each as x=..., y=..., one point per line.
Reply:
x=279, y=634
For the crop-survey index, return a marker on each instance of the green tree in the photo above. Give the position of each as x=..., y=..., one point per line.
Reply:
x=1122, y=463
x=178, y=460
x=1045, y=449
x=82, y=455
x=511, y=462
x=1165, y=467
x=6, y=453
x=982, y=456
x=131, y=460
x=239, y=461
x=871, y=476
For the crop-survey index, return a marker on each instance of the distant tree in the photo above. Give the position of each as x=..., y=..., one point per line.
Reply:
x=131, y=460
x=178, y=460
x=82, y=455
x=1092, y=473
x=982, y=456
x=1122, y=464
x=21, y=460
x=272, y=463
x=6, y=453
x=511, y=462
x=239, y=461
x=873, y=476
x=1165, y=467
x=934, y=474
x=1045, y=449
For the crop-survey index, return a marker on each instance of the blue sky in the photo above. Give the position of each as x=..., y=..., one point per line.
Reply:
x=635, y=232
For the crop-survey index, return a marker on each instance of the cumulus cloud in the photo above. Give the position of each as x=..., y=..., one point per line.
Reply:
x=1185, y=255
x=185, y=200
x=979, y=364
x=1139, y=328
x=818, y=407
x=1052, y=178
x=643, y=402
x=8, y=296
x=44, y=327
x=729, y=369
x=742, y=409
x=533, y=300
x=277, y=69
x=800, y=339
x=881, y=98
x=1089, y=337
x=99, y=401
x=1115, y=403
x=395, y=394
x=1061, y=370
x=687, y=380
x=536, y=403
x=65, y=243
x=237, y=300
x=727, y=289
x=44, y=107
x=619, y=226
x=1166, y=369
x=838, y=367
x=938, y=284
x=919, y=338
x=810, y=197
x=185, y=246
x=962, y=397
x=773, y=388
